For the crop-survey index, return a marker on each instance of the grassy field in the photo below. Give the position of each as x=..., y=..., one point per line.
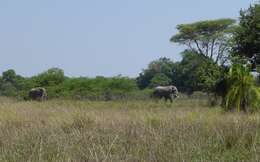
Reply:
x=125, y=131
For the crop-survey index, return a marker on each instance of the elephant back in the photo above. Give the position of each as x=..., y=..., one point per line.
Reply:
x=38, y=93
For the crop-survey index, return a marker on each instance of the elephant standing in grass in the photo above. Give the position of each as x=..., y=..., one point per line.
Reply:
x=38, y=93
x=166, y=92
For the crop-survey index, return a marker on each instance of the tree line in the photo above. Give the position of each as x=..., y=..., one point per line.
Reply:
x=58, y=85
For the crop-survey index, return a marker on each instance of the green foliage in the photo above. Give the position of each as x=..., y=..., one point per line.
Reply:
x=196, y=73
x=158, y=71
x=60, y=86
x=193, y=73
x=50, y=77
x=242, y=94
x=210, y=38
x=9, y=76
x=160, y=79
x=247, y=42
x=11, y=84
x=98, y=88
x=8, y=89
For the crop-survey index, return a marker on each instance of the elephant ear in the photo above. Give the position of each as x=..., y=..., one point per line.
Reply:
x=41, y=90
x=174, y=89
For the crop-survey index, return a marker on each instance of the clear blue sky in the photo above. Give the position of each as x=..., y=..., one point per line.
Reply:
x=94, y=37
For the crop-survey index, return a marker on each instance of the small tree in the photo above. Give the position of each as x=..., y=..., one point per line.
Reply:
x=11, y=84
x=160, y=80
x=195, y=73
x=9, y=76
x=51, y=77
x=242, y=94
x=161, y=66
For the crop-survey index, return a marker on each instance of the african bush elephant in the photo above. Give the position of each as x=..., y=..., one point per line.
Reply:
x=38, y=93
x=166, y=92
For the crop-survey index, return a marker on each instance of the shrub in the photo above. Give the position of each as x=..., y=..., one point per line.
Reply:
x=242, y=94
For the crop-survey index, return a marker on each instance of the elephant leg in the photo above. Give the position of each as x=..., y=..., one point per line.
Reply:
x=171, y=99
x=166, y=98
x=42, y=98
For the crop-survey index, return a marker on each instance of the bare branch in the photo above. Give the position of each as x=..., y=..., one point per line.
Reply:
x=212, y=48
x=197, y=44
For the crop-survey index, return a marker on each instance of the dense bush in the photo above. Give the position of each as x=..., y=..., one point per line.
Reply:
x=60, y=86
x=193, y=73
x=158, y=72
x=98, y=88
x=242, y=94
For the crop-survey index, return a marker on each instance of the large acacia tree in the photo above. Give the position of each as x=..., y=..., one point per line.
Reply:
x=210, y=38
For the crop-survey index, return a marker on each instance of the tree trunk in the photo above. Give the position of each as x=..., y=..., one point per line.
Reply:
x=243, y=104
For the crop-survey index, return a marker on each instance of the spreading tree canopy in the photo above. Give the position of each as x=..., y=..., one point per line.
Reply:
x=209, y=38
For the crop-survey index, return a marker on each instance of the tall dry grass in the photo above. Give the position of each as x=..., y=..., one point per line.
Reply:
x=186, y=130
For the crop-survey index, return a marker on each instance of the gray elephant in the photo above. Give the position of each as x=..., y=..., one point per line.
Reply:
x=38, y=93
x=166, y=92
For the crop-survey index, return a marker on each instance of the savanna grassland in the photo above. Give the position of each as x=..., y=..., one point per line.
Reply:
x=64, y=130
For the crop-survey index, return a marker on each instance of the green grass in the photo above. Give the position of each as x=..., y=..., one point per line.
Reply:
x=187, y=130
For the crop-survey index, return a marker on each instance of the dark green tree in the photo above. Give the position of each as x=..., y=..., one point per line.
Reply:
x=9, y=76
x=247, y=35
x=11, y=83
x=196, y=73
x=160, y=79
x=158, y=67
x=51, y=77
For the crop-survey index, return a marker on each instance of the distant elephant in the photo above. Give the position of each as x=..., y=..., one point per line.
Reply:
x=38, y=93
x=166, y=92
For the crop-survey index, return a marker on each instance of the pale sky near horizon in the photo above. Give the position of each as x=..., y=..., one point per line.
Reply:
x=98, y=37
